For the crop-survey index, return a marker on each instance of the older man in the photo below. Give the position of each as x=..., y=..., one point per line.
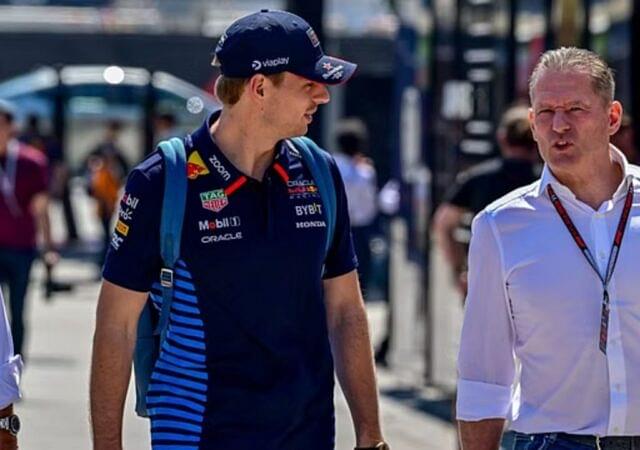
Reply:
x=260, y=311
x=552, y=323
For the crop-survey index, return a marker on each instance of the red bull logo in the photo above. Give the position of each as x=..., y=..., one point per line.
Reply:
x=196, y=166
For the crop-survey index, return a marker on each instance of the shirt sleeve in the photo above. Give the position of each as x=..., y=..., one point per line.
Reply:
x=10, y=364
x=133, y=259
x=341, y=258
x=460, y=193
x=486, y=365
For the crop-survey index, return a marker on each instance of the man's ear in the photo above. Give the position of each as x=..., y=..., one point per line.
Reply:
x=256, y=86
x=615, y=117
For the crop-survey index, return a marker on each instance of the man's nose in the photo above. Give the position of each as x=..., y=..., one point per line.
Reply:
x=560, y=123
x=321, y=94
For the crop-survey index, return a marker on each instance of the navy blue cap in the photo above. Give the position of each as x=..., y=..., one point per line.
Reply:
x=270, y=42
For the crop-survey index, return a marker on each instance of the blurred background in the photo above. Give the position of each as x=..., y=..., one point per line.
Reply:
x=97, y=77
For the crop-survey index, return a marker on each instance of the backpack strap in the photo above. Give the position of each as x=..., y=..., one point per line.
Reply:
x=173, y=204
x=318, y=163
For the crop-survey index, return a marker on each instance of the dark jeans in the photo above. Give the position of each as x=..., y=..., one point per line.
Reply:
x=555, y=441
x=15, y=267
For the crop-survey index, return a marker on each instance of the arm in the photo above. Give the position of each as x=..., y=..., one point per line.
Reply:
x=113, y=343
x=482, y=435
x=445, y=222
x=486, y=365
x=351, y=347
x=10, y=368
x=40, y=210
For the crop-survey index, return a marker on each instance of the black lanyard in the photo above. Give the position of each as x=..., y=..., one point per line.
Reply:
x=613, y=255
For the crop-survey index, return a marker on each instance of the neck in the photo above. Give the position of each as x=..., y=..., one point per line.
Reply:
x=595, y=186
x=247, y=148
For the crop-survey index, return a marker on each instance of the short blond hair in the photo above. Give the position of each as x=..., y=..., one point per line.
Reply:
x=572, y=59
x=229, y=90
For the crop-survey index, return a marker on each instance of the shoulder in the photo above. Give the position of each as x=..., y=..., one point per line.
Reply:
x=151, y=167
x=148, y=175
x=518, y=199
x=31, y=156
x=480, y=171
x=634, y=171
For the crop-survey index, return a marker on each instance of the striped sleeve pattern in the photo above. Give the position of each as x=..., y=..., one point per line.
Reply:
x=178, y=389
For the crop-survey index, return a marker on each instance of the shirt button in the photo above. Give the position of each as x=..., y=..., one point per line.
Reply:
x=618, y=386
x=601, y=255
x=616, y=429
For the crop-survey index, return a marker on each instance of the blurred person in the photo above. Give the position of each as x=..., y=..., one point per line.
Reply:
x=552, y=320
x=58, y=174
x=389, y=200
x=360, y=183
x=23, y=213
x=478, y=186
x=10, y=372
x=106, y=169
x=259, y=308
x=165, y=126
x=624, y=140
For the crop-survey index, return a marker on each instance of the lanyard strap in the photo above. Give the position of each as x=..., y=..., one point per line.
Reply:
x=8, y=178
x=575, y=234
x=613, y=255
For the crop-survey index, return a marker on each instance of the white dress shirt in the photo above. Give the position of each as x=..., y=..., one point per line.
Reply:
x=10, y=364
x=529, y=348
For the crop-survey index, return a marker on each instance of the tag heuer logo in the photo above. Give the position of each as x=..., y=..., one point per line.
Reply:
x=214, y=200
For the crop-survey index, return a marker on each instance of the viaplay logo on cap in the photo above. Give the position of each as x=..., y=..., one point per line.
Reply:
x=275, y=62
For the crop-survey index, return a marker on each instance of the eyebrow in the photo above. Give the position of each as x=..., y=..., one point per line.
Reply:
x=570, y=104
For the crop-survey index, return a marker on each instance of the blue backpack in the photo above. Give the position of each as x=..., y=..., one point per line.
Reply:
x=152, y=327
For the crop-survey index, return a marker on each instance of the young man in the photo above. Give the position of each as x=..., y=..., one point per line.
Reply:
x=553, y=272
x=258, y=310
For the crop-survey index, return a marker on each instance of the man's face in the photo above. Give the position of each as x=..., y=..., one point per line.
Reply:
x=570, y=122
x=290, y=107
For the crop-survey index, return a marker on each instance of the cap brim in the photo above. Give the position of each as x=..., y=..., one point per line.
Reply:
x=331, y=70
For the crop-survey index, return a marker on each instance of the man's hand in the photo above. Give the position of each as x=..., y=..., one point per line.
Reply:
x=8, y=441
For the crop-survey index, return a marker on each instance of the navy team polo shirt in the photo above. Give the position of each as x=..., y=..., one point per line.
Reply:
x=246, y=363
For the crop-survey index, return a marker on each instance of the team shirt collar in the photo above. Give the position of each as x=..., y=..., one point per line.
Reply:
x=215, y=162
x=618, y=157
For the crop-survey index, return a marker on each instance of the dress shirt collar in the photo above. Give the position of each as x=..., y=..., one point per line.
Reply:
x=618, y=157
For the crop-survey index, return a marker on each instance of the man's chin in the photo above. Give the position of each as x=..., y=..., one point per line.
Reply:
x=300, y=131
